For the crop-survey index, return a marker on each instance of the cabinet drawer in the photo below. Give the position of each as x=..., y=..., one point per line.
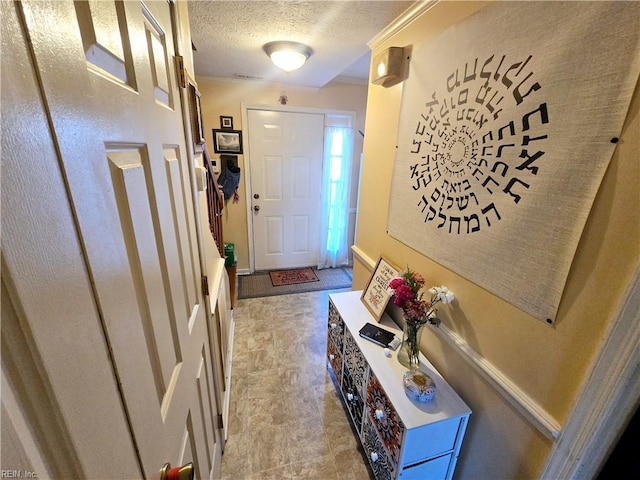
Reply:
x=335, y=327
x=433, y=469
x=430, y=440
x=383, y=468
x=352, y=398
x=334, y=357
x=384, y=418
x=355, y=363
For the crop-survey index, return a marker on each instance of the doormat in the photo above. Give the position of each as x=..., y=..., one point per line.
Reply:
x=280, y=278
x=259, y=284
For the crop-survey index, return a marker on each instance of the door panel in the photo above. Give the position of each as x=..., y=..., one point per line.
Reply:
x=286, y=174
x=301, y=229
x=106, y=50
x=274, y=234
x=302, y=177
x=132, y=200
x=108, y=84
x=188, y=261
x=273, y=178
x=158, y=59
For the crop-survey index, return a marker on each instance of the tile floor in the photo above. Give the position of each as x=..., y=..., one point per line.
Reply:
x=286, y=420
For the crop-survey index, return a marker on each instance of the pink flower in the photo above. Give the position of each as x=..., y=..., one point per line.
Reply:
x=403, y=294
x=416, y=309
x=407, y=296
x=418, y=279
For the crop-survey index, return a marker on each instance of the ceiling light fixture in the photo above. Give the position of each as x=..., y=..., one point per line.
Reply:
x=287, y=55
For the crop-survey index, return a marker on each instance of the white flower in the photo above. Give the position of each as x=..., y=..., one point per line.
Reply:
x=442, y=293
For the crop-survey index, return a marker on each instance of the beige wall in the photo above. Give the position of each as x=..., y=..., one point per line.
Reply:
x=548, y=364
x=225, y=97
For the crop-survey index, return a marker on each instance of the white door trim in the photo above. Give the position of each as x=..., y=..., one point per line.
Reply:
x=247, y=154
x=608, y=398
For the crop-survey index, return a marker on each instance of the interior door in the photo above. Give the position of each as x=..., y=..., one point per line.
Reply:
x=286, y=150
x=107, y=78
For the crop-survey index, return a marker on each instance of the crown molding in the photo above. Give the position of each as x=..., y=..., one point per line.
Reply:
x=405, y=19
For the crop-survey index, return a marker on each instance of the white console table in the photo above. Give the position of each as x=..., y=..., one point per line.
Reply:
x=402, y=438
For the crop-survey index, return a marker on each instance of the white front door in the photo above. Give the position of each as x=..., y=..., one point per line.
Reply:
x=286, y=151
x=108, y=82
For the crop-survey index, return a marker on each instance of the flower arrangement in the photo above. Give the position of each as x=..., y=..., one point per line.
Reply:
x=407, y=295
x=417, y=311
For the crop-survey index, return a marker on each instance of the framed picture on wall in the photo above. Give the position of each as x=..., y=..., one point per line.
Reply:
x=227, y=141
x=226, y=122
x=195, y=112
x=377, y=294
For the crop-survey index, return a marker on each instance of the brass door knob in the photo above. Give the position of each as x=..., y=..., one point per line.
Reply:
x=185, y=472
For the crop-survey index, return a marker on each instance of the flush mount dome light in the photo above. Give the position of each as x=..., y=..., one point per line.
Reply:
x=288, y=56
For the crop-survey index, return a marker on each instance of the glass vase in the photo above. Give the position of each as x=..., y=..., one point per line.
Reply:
x=409, y=352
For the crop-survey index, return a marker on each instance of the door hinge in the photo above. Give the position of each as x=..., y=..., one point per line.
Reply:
x=220, y=422
x=182, y=79
x=205, y=285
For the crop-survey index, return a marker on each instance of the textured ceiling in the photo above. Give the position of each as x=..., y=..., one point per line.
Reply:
x=228, y=37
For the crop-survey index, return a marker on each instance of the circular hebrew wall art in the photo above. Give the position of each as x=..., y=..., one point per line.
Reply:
x=504, y=135
x=469, y=157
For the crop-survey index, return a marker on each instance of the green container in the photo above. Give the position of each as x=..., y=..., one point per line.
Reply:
x=229, y=254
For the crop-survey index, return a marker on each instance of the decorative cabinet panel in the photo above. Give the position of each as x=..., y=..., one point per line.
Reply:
x=355, y=363
x=382, y=468
x=334, y=357
x=335, y=341
x=384, y=418
x=402, y=439
x=353, y=381
x=336, y=328
x=353, y=400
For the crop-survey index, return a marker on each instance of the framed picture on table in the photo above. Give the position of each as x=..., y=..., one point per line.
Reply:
x=377, y=293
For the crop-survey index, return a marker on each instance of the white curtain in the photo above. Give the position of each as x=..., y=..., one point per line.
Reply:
x=336, y=171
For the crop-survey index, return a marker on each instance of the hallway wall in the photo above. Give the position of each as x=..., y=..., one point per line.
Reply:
x=547, y=364
x=225, y=97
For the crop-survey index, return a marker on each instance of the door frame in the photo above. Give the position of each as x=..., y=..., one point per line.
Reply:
x=247, y=154
x=608, y=399
x=209, y=267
